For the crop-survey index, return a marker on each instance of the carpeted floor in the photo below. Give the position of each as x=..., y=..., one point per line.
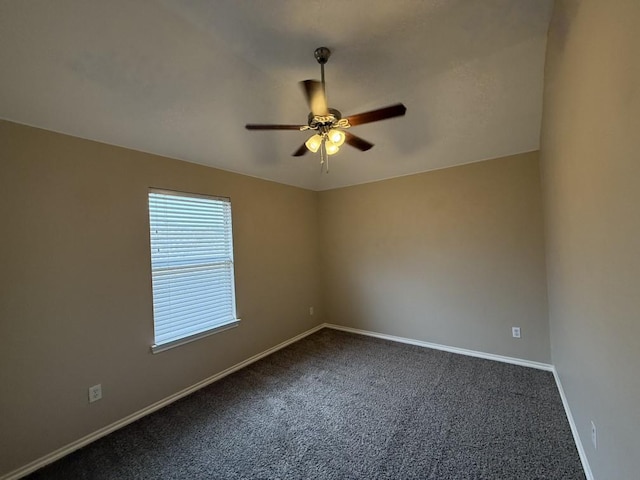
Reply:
x=342, y=406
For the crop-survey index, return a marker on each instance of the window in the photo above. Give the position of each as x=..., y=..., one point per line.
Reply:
x=191, y=267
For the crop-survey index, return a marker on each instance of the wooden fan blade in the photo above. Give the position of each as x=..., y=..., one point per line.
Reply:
x=260, y=126
x=314, y=93
x=357, y=142
x=300, y=151
x=391, y=111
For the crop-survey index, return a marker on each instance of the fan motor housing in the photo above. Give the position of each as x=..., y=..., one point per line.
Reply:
x=316, y=121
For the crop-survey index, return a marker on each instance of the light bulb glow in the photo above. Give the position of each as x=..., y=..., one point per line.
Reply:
x=331, y=147
x=336, y=136
x=313, y=144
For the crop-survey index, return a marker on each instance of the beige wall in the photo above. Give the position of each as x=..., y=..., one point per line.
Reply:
x=76, y=303
x=591, y=182
x=453, y=256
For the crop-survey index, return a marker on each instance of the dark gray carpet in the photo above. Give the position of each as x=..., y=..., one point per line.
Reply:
x=342, y=406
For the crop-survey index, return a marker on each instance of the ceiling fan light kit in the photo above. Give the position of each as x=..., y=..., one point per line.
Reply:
x=328, y=124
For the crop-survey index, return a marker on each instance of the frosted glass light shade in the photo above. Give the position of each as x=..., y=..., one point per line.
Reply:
x=336, y=136
x=313, y=144
x=331, y=147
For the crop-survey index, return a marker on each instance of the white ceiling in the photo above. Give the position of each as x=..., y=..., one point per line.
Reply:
x=181, y=78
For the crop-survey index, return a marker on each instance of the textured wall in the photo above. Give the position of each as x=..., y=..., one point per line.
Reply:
x=453, y=256
x=591, y=182
x=75, y=281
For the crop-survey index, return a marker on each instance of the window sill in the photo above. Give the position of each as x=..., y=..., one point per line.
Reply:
x=192, y=338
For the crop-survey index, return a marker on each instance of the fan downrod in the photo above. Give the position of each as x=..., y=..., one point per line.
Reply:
x=322, y=55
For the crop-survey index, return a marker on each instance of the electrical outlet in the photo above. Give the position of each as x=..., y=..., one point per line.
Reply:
x=95, y=393
x=594, y=435
x=515, y=331
x=310, y=310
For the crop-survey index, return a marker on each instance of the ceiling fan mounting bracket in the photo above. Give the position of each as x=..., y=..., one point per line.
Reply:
x=322, y=55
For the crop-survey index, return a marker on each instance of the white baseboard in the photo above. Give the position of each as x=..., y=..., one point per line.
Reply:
x=574, y=428
x=446, y=348
x=92, y=437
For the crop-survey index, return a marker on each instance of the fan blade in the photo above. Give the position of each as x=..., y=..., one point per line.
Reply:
x=301, y=151
x=314, y=93
x=357, y=142
x=391, y=111
x=260, y=126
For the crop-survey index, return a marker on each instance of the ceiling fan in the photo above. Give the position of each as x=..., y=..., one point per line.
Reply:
x=327, y=123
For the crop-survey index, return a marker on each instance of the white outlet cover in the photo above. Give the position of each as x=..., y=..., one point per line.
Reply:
x=515, y=331
x=95, y=393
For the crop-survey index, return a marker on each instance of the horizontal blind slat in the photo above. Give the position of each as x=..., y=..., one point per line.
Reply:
x=193, y=321
x=179, y=303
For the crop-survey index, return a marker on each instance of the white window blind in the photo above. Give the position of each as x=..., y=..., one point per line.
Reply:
x=192, y=267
